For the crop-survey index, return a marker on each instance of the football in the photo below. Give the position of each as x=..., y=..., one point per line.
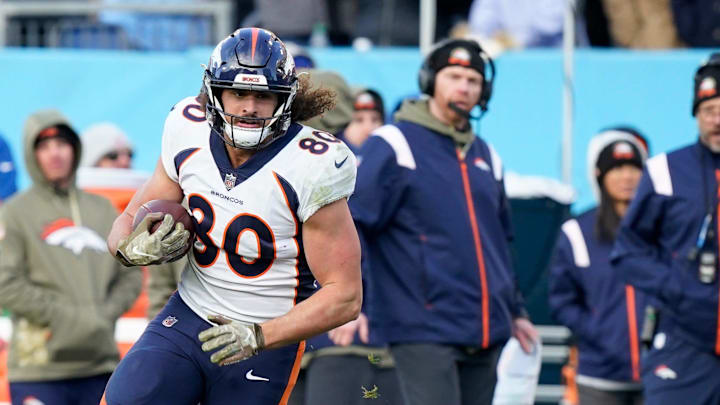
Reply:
x=178, y=212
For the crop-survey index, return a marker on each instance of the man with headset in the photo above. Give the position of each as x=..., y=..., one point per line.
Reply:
x=667, y=247
x=431, y=207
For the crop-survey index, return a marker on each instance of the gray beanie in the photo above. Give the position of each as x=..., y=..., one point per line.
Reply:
x=100, y=139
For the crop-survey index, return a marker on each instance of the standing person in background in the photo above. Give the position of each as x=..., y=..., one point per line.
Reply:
x=432, y=210
x=667, y=247
x=62, y=288
x=106, y=170
x=368, y=114
x=8, y=174
x=604, y=314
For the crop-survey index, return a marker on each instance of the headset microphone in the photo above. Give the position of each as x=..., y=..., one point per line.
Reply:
x=465, y=114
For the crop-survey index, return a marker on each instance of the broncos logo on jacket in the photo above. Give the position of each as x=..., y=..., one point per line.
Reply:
x=63, y=232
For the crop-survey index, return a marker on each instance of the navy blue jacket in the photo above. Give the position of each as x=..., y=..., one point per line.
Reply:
x=604, y=314
x=436, y=226
x=661, y=226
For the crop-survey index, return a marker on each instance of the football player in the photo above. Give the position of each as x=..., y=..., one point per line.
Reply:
x=269, y=197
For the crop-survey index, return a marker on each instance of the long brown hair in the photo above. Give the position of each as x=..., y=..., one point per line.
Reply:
x=310, y=100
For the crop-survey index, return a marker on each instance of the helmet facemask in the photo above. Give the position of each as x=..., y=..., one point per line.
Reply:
x=224, y=124
x=250, y=59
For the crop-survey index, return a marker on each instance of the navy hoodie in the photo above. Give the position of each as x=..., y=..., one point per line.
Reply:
x=660, y=229
x=435, y=220
x=604, y=314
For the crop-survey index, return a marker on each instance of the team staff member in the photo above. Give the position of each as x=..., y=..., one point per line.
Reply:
x=64, y=291
x=431, y=206
x=667, y=247
x=368, y=114
x=604, y=314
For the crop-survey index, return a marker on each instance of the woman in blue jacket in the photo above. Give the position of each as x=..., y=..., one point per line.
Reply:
x=603, y=314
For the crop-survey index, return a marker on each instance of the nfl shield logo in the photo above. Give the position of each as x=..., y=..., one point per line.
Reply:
x=169, y=321
x=229, y=181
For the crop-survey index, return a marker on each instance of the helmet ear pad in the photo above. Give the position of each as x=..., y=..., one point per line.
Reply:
x=427, y=73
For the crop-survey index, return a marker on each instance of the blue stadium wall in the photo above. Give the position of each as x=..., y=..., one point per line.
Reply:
x=650, y=90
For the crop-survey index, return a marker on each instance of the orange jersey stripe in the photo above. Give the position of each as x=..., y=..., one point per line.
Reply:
x=478, y=253
x=293, y=374
x=632, y=332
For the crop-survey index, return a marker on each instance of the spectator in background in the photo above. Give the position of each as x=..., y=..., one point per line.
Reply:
x=697, y=22
x=518, y=24
x=368, y=114
x=64, y=291
x=431, y=207
x=106, y=145
x=604, y=314
x=8, y=186
x=106, y=162
x=106, y=170
x=641, y=24
x=667, y=247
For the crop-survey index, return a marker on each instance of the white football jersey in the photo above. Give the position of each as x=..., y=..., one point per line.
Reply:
x=247, y=262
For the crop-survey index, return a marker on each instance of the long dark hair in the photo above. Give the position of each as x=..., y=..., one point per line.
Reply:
x=607, y=220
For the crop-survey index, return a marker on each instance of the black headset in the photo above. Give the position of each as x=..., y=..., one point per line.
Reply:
x=426, y=76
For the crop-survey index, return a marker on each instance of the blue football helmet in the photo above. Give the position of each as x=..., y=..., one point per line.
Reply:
x=250, y=59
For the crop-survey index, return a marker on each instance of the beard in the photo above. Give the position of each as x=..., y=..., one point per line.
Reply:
x=712, y=141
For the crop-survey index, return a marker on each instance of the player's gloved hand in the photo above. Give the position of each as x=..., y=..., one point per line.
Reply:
x=239, y=340
x=142, y=248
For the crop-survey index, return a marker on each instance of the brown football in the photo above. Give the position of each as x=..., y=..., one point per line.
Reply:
x=178, y=212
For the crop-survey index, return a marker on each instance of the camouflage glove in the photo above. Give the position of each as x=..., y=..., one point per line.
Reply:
x=240, y=340
x=142, y=248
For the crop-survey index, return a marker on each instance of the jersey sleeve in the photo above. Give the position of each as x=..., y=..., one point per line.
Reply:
x=175, y=136
x=329, y=179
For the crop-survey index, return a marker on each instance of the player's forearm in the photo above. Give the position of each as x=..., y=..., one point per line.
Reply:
x=329, y=307
x=121, y=229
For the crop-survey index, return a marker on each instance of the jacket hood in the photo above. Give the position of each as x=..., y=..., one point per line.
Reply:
x=598, y=143
x=418, y=112
x=33, y=126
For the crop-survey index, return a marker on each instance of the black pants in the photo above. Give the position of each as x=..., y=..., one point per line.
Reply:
x=350, y=380
x=432, y=374
x=594, y=396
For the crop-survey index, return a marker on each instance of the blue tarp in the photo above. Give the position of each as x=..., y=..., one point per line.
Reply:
x=651, y=90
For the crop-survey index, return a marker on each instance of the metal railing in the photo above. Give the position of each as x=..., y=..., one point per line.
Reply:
x=219, y=11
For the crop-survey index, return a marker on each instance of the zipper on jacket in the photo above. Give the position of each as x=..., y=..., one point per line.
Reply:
x=478, y=251
x=632, y=332
x=717, y=216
